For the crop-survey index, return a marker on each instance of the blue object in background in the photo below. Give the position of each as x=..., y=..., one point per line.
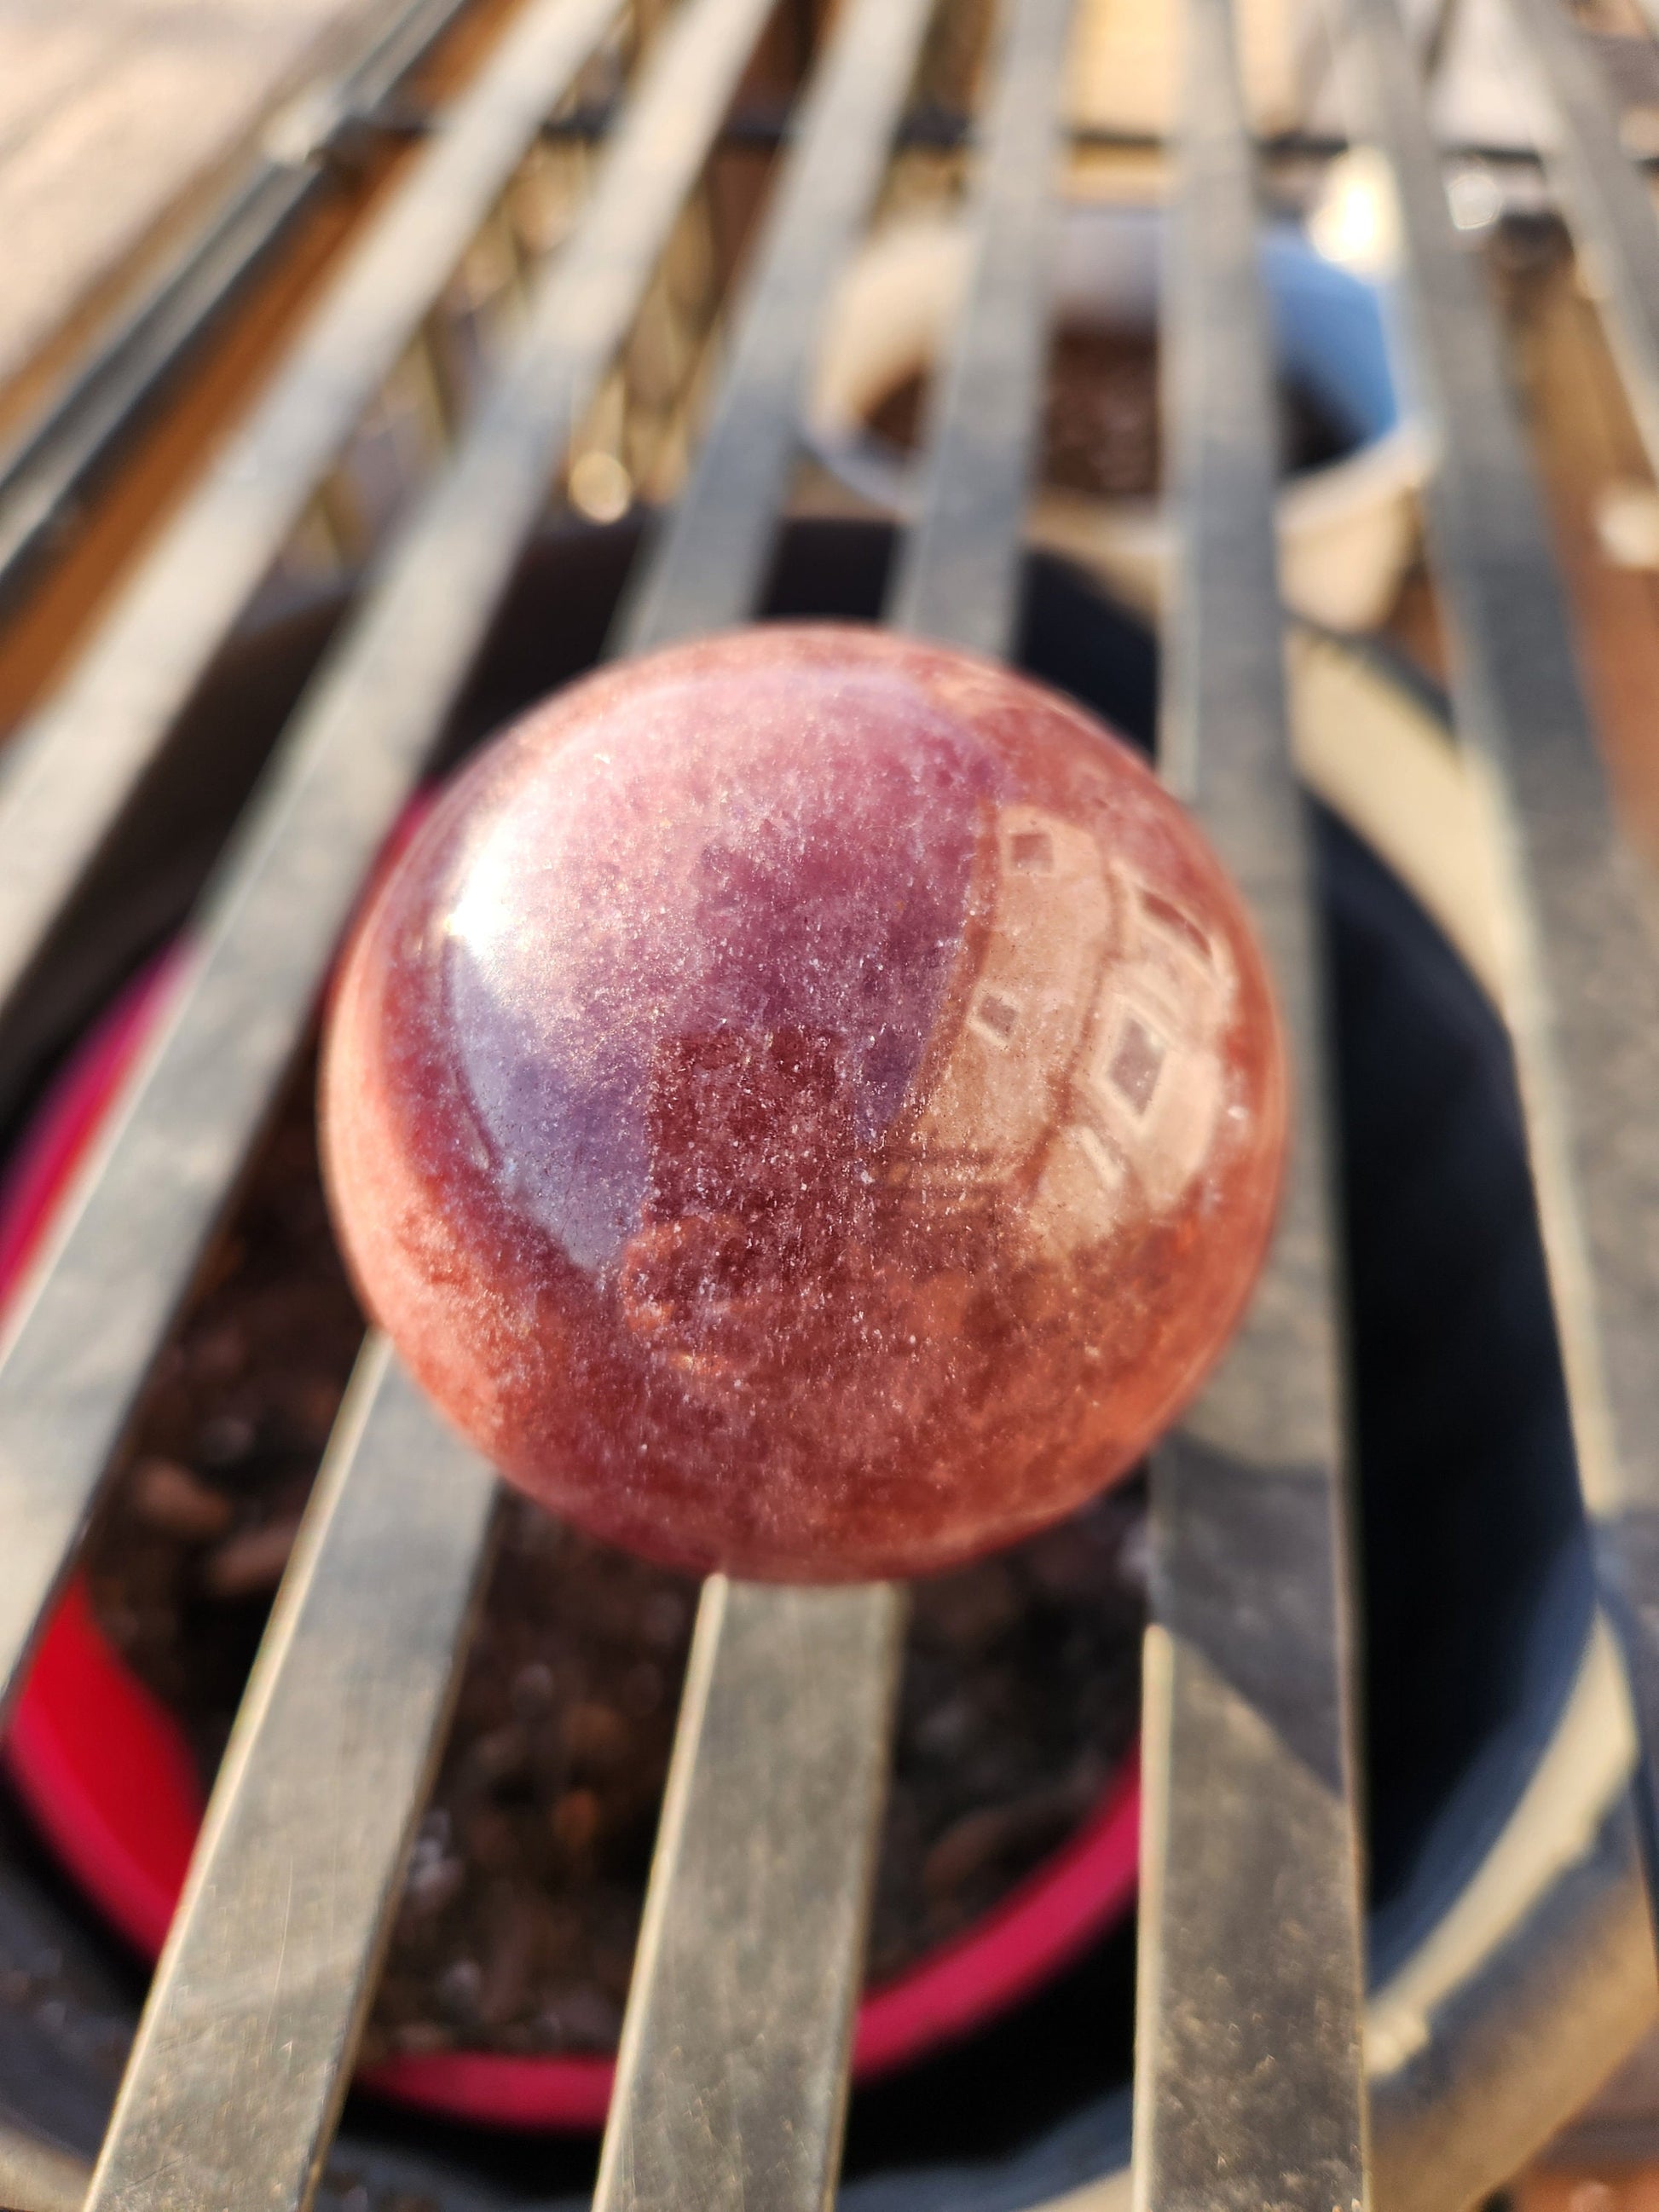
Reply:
x=1331, y=330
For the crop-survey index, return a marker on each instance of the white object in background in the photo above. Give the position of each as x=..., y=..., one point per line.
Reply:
x=1347, y=531
x=1355, y=221
x=1628, y=524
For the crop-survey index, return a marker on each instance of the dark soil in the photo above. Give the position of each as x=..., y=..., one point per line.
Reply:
x=517, y=1929
x=1101, y=433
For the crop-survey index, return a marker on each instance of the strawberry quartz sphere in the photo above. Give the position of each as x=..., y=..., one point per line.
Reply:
x=806, y=1103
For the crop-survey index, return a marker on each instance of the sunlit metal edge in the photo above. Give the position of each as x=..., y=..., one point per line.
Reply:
x=709, y=568
x=53, y=468
x=65, y=777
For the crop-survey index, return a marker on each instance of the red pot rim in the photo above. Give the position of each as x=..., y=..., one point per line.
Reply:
x=107, y=1776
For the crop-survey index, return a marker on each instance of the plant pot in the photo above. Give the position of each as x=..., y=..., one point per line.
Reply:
x=1347, y=529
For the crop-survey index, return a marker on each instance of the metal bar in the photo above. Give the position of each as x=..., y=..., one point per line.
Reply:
x=710, y=567
x=731, y=2081
x=66, y=777
x=1581, y=983
x=1249, y=2080
x=49, y=474
x=958, y=574
x=1610, y=204
x=85, y=1340
x=732, y=2078
x=260, y=1991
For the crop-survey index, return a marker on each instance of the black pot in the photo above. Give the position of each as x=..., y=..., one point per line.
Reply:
x=1476, y=1588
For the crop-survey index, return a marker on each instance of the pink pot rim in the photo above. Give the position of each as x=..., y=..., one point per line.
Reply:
x=108, y=1779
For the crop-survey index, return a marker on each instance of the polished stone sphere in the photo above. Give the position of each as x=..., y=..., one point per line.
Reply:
x=806, y=1103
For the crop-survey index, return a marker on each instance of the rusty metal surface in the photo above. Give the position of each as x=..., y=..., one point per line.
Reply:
x=957, y=577
x=1581, y=965
x=1248, y=2087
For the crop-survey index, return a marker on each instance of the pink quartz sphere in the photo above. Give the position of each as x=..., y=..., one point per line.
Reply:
x=807, y=1104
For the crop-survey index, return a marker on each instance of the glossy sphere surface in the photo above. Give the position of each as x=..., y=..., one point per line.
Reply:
x=806, y=1103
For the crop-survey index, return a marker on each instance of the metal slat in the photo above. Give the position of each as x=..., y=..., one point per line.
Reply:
x=1581, y=964
x=1249, y=2082
x=731, y=2079
x=1610, y=203
x=270, y=1964
x=50, y=473
x=84, y=1340
x=958, y=573
x=66, y=776
x=709, y=567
